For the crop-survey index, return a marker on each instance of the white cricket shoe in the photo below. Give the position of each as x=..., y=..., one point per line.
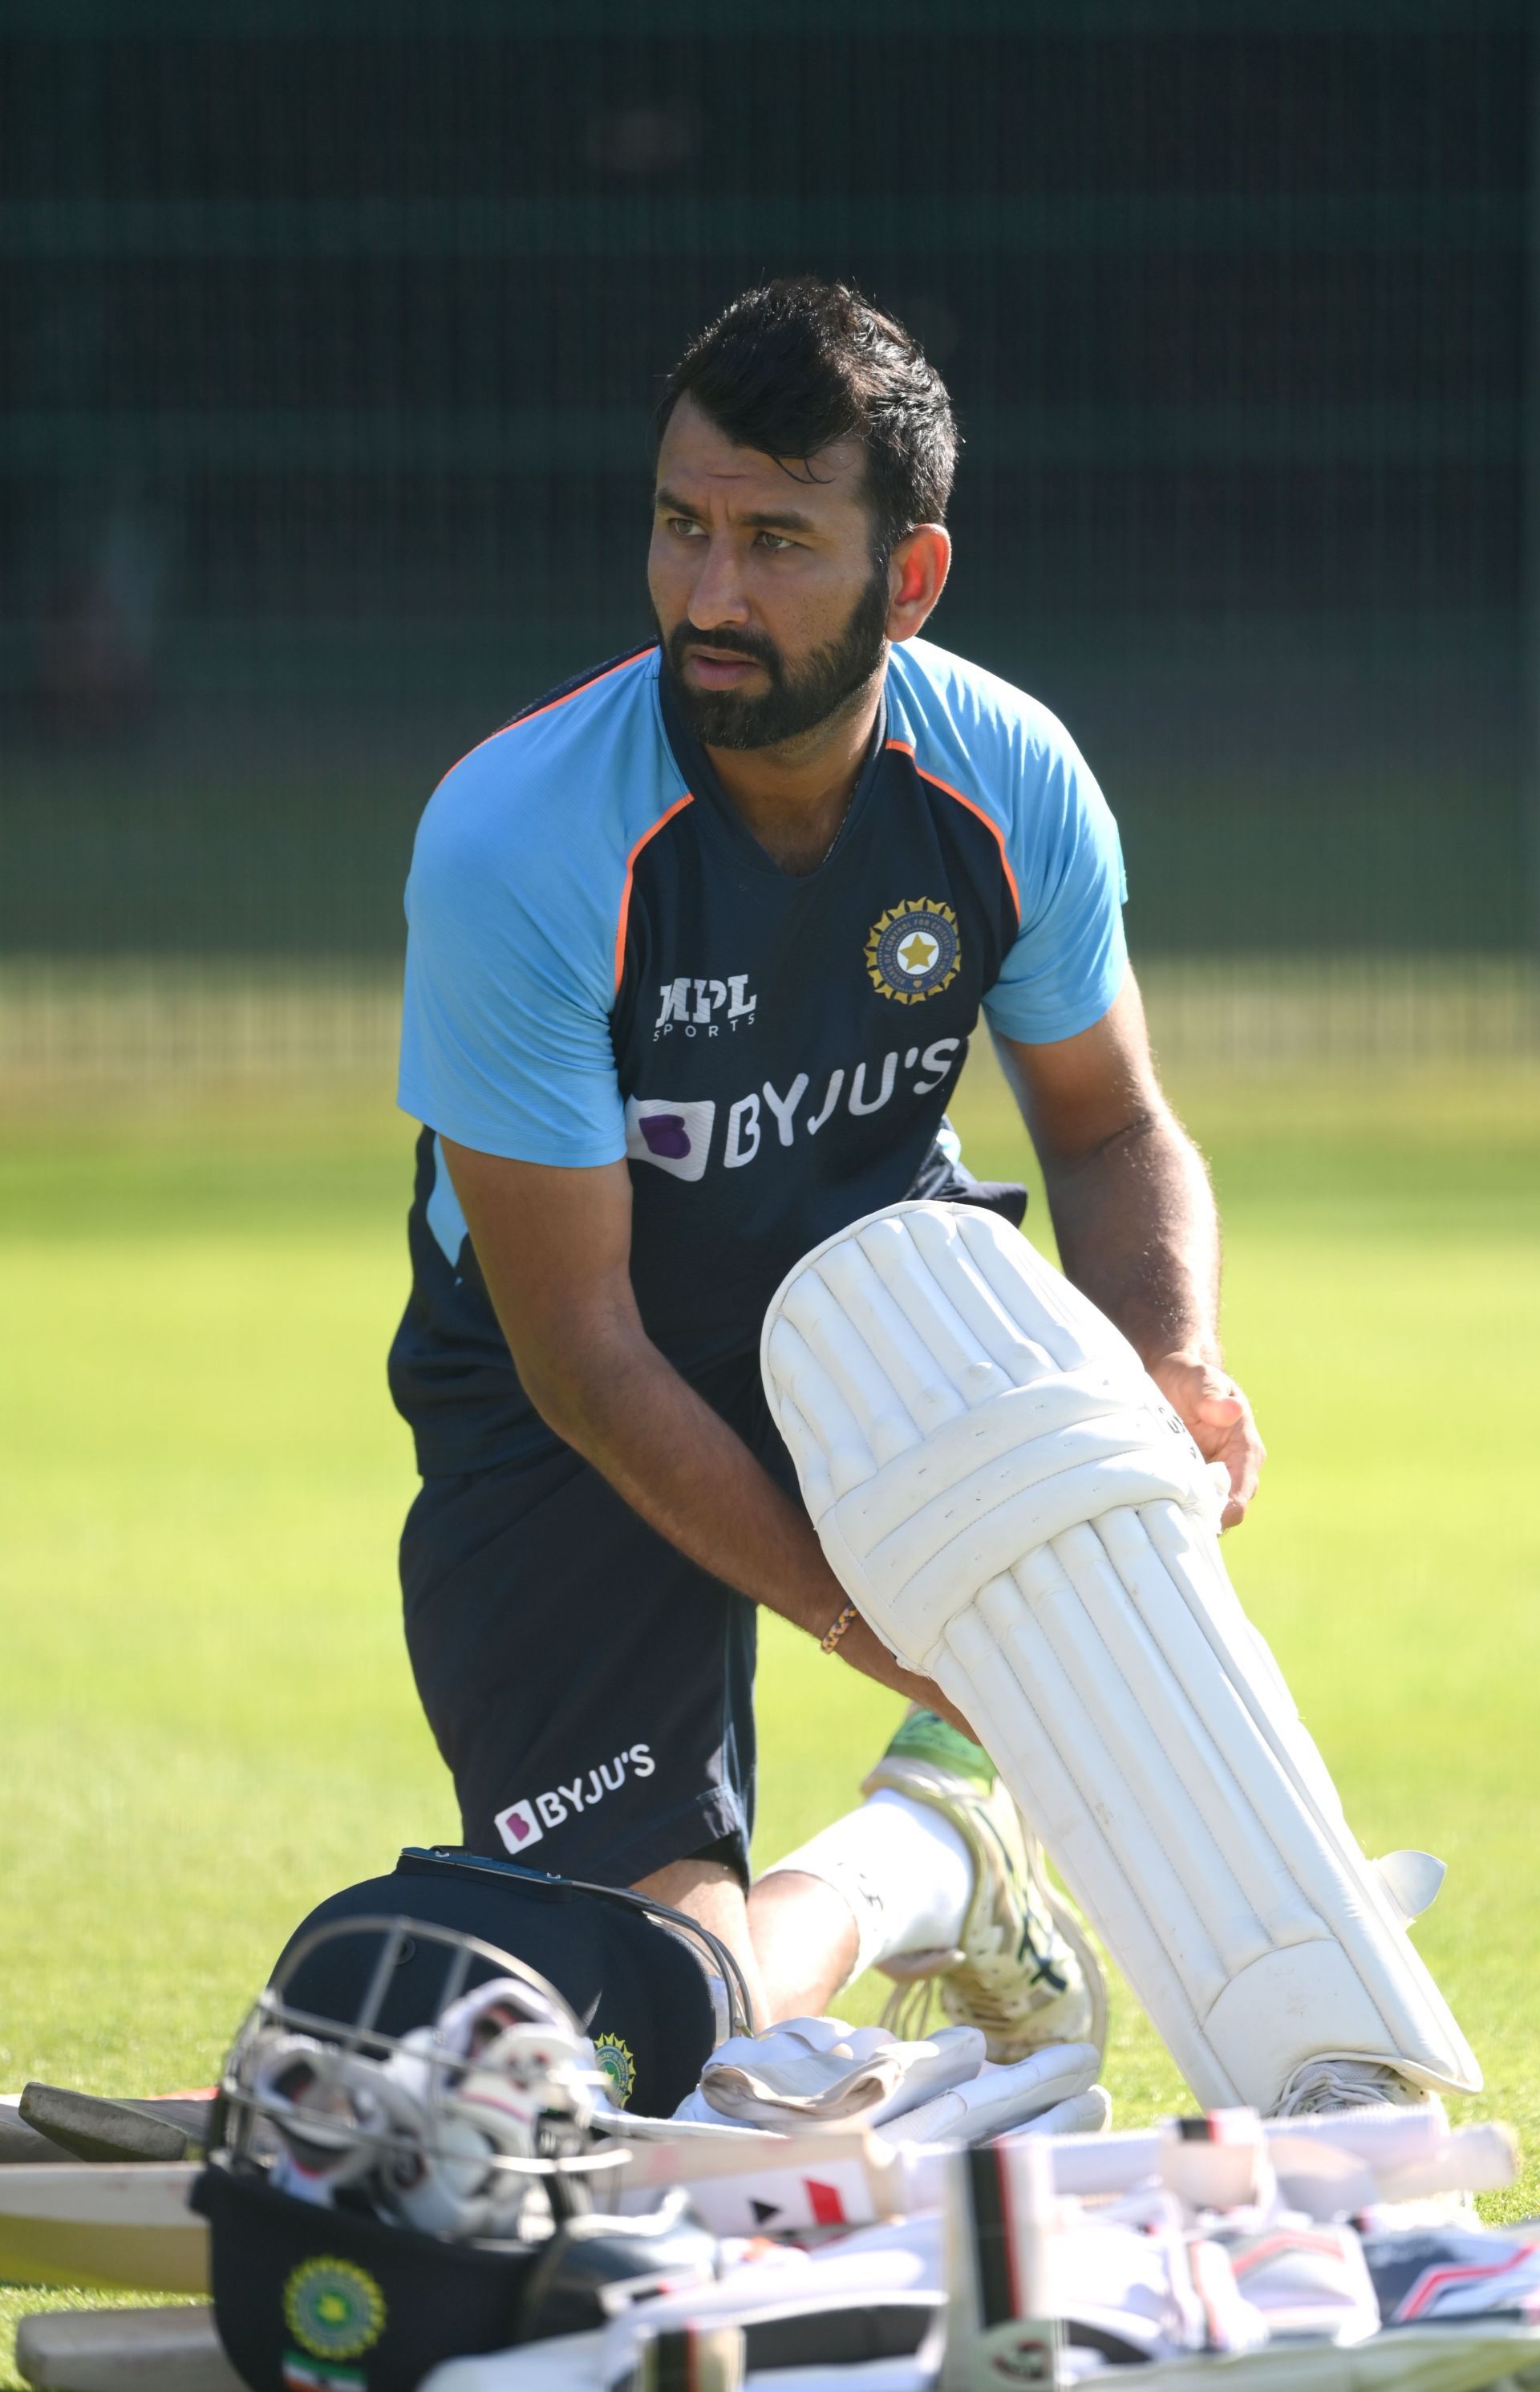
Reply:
x=1025, y=1972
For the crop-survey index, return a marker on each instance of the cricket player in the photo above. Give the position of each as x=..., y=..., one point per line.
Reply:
x=697, y=943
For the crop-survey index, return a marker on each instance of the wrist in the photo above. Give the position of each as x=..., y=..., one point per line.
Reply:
x=1195, y=1353
x=864, y=1650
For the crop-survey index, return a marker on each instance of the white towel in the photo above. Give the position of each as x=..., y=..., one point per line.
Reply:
x=815, y=2070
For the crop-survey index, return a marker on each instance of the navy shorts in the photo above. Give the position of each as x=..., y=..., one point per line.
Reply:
x=590, y=1689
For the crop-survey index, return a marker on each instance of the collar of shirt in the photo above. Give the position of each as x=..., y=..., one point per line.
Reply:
x=696, y=773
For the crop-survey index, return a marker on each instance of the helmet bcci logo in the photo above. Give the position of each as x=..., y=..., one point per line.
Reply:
x=673, y=1133
x=618, y=2062
x=913, y=951
x=518, y=1827
x=334, y=2309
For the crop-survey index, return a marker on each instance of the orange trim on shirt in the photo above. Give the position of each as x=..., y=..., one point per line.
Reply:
x=907, y=747
x=582, y=688
x=581, y=691
x=651, y=832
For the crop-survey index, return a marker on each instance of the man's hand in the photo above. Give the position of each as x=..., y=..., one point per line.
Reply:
x=1220, y=1421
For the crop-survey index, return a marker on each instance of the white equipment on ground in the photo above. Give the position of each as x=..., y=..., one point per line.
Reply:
x=808, y=2072
x=130, y=2226
x=1262, y=2256
x=123, y=2350
x=985, y=2268
x=78, y=2222
x=819, y=2071
x=1014, y=1507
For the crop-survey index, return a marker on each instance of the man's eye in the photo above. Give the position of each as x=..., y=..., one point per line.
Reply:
x=775, y=541
x=682, y=526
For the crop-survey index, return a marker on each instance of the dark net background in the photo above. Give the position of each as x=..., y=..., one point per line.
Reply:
x=328, y=337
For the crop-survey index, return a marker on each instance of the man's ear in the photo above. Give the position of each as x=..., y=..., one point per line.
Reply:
x=916, y=577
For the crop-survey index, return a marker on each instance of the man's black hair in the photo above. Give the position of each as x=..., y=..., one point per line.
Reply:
x=801, y=363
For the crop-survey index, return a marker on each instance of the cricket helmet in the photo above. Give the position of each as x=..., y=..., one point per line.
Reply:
x=378, y=2202
x=651, y=1987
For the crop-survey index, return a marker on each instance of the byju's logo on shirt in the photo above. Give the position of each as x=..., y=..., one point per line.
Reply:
x=913, y=951
x=676, y=1135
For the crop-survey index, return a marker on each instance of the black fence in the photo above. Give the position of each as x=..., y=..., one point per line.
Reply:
x=331, y=334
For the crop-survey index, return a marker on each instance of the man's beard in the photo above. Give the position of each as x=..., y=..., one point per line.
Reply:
x=794, y=702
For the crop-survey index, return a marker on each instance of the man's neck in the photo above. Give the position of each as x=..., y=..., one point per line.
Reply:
x=794, y=796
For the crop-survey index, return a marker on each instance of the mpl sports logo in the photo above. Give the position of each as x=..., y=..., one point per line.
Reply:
x=525, y=1822
x=695, y=1007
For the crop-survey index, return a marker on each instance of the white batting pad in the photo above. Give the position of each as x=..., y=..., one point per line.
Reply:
x=1010, y=1501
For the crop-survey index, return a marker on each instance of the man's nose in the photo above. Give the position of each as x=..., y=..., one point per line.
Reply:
x=718, y=596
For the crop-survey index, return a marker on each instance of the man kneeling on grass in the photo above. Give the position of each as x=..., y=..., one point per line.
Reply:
x=696, y=946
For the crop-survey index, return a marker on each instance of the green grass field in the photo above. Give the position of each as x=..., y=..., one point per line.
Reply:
x=208, y=1717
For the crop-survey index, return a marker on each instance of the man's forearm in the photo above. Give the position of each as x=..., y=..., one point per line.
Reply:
x=675, y=1461
x=1138, y=1232
x=1138, y=1227
x=554, y=1246
x=678, y=1464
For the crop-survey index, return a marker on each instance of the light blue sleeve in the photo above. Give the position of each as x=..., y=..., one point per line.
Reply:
x=1069, y=956
x=505, y=1032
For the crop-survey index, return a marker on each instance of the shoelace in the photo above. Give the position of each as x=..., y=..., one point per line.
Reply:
x=909, y=2008
x=1320, y=2085
x=907, y=2013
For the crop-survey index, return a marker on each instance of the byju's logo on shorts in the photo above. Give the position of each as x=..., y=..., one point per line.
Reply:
x=673, y=1133
x=518, y=1827
x=524, y=1822
x=913, y=951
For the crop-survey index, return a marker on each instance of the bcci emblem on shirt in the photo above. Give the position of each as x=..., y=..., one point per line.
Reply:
x=913, y=951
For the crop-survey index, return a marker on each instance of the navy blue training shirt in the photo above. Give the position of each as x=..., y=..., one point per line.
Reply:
x=604, y=962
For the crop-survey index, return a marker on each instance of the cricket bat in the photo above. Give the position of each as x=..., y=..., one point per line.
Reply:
x=123, y=2350
x=126, y=2226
